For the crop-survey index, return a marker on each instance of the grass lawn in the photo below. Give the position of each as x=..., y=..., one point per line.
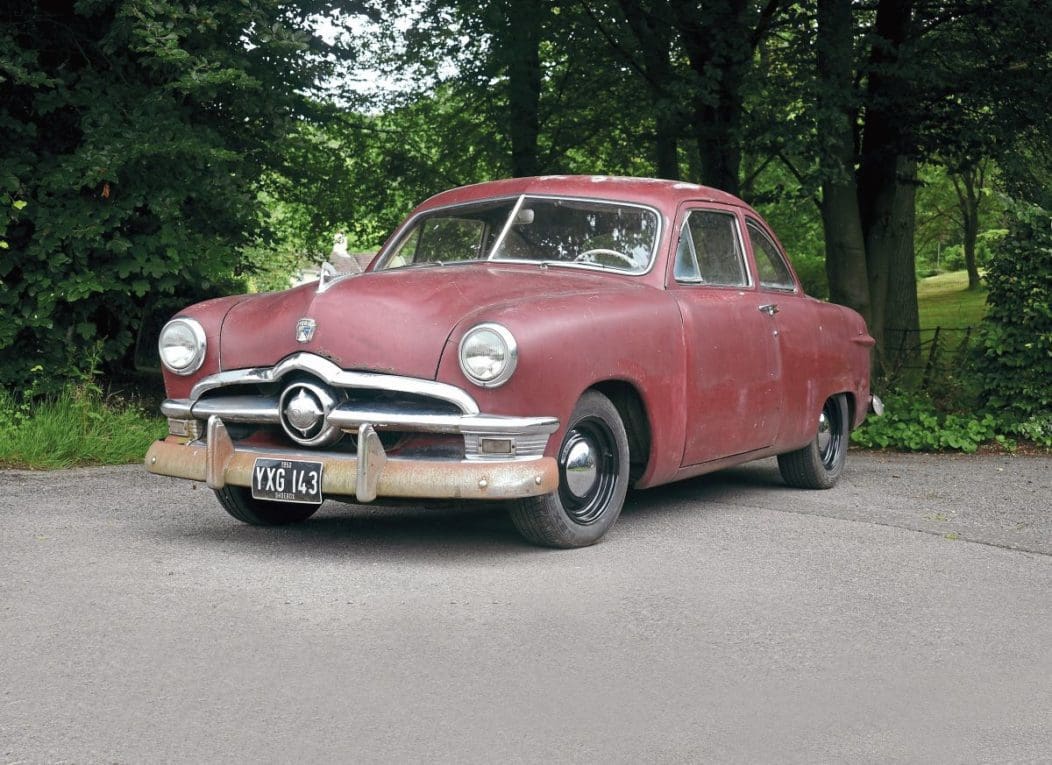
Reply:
x=945, y=302
x=77, y=427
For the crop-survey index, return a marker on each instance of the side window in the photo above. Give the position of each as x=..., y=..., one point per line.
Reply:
x=774, y=273
x=710, y=250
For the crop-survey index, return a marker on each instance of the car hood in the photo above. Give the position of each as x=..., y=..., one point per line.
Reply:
x=394, y=321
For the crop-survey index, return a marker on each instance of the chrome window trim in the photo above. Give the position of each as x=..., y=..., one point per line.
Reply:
x=507, y=226
x=386, y=252
x=406, y=227
x=586, y=266
x=338, y=378
x=749, y=281
x=693, y=256
x=753, y=223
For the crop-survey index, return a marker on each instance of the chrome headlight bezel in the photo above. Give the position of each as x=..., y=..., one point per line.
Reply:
x=197, y=333
x=510, y=352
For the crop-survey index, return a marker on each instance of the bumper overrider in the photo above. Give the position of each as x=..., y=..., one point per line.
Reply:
x=317, y=404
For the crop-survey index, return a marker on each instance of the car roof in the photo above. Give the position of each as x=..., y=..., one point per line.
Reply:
x=650, y=191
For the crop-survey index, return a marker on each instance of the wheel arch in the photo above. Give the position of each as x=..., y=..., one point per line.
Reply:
x=632, y=408
x=852, y=407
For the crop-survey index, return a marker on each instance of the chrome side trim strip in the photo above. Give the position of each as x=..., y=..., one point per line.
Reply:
x=177, y=408
x=238, y=409
x=251, y=409
x=352, y=419
x=333, y=375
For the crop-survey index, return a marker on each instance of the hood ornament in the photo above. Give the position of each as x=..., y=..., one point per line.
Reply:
x=305, y=330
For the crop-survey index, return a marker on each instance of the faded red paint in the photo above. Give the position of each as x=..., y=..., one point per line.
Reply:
x=721, y=382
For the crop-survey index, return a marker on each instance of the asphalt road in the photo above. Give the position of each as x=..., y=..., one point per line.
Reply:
x=904, y=616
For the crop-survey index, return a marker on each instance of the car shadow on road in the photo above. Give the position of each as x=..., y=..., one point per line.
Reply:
x=754, y=478
x=411, y=532
x=451, y=530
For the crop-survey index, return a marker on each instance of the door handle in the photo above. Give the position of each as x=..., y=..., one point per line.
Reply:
x=770, y=309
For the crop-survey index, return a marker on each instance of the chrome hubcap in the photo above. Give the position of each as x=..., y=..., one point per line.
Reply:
x=581, y=470
x=588, y=467
x=824, y=434
x=832, y=435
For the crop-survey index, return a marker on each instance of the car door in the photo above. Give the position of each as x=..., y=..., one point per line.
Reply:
x=733, y=395
x=797, y=330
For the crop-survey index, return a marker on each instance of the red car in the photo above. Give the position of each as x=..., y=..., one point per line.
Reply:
x=545, y=341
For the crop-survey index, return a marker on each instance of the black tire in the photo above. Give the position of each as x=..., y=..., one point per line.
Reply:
x=819, y=464
x=591, y=495
x=239, y=502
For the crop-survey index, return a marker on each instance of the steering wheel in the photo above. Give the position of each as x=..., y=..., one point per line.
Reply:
x=587, y=254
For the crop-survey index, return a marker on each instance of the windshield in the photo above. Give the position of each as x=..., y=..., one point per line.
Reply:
x=596, y=234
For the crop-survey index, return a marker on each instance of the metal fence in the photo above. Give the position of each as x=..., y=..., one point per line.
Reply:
x=927, y=355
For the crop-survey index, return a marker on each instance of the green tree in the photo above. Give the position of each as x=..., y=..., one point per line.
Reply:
x=957, y=82
x=136, y=132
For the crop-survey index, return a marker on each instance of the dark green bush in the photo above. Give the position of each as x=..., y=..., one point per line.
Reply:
x=134, y=136
x=1015, y=350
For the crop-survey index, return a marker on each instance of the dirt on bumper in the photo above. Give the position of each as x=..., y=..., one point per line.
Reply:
x=410, y=478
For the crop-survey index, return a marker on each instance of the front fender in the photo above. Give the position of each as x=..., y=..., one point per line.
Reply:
x=569, y=344
x=210, y=314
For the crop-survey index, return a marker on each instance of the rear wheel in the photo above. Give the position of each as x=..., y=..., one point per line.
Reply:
x=239, y=502
x=819, y=464
x=593, y=480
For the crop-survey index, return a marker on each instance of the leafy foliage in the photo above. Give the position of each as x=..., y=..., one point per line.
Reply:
x=1015, y=368
x=912, y=422
x=135, y=132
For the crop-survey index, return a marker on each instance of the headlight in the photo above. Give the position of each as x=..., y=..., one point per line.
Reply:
x=182, y=346
x=488, y=355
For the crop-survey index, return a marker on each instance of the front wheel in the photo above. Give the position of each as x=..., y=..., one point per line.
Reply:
x=819, y=464
x=593, y=480
x=239, y=502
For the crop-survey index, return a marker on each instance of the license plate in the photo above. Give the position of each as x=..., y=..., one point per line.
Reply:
x=287, y=480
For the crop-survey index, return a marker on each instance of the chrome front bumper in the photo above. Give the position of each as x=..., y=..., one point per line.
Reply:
x=503, y=456
x=365, y=476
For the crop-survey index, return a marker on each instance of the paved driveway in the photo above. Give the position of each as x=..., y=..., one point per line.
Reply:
x=724, y=619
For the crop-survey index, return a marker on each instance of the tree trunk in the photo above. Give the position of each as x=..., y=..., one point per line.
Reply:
x=968, y=183
x=653, y=34
x=719, y=48
x=841, y=220
x=901, y=317
x=887, y=191
x=971, y=235
x=666, y=158
x=719, y=142
x=521, y=48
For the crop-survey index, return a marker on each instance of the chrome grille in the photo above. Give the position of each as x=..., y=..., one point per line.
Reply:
x=389, y=404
